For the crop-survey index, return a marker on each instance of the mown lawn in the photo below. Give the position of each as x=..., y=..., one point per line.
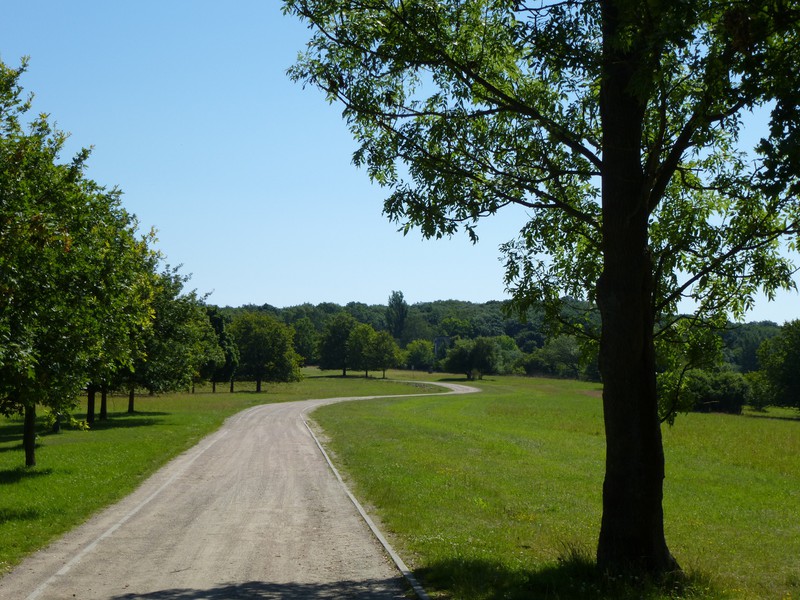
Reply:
x=498, y=495
x=80, y=472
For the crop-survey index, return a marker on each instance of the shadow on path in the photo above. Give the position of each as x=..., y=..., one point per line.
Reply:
x=364, y=590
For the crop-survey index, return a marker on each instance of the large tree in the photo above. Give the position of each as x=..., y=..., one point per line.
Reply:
x=73, y=271
x=616, y=124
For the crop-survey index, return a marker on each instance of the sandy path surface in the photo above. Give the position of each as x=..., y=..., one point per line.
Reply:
x=252, y=511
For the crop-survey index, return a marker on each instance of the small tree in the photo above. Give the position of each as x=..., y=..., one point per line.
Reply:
x=384, y=352
x=420, y=355
x=359, y=348
x=265, y=349
x=333, y=352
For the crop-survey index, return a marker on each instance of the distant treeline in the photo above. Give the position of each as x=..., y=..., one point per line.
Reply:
x=727, y=369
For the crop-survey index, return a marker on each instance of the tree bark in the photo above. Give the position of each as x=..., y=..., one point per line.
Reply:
x=231, y=385
x=131, y=398
x=29, y=435
x=258, y=386
x=103, y=402
x=91, y=393
x=632, y=527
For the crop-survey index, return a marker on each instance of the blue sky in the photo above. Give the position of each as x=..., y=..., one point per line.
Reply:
x=245, y=175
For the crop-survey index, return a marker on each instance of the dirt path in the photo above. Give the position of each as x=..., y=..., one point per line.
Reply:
x=252, y=511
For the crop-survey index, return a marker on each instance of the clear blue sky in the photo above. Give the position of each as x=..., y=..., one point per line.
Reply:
x=245, y=175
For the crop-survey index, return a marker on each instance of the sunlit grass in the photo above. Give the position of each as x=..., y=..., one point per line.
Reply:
x=498, y=495
x=80, y=472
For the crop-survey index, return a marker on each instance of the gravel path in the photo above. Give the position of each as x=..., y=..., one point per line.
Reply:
x=252, y=511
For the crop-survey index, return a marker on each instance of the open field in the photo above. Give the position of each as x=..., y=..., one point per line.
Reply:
x=486, y=494
x=80, y=472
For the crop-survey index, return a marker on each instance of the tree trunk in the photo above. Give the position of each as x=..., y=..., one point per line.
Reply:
x=632, y=527
x=103, y=402
x=258, y=386
x=214, y=386
x=131, y=398
x=29, y=435
x=231, y=385
x=91, y=392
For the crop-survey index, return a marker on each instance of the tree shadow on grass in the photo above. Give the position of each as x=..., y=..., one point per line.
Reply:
x=127, y=420
x=13, y=515
x=573, y=578
x=390, y=589
x=17, y=474
x=770, y=417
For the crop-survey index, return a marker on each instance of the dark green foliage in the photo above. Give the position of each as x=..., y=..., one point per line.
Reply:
x=182, y=340
x=779, y=358
x=396, y=314
x=359, y=348
x=266, y=349
x=215, y=370
x=741, y=343
x=419, y=355
x=333, y=351
x=74, y=276
x=306, y=340
x=474, y=358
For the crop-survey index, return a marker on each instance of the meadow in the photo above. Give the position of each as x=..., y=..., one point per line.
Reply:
x=498, y=495
x=486, y=496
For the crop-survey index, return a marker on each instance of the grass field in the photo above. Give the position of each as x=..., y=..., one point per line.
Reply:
x=488, y=494
x=80, y=472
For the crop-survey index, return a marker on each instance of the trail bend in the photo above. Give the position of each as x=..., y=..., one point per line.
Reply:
x=252, y=511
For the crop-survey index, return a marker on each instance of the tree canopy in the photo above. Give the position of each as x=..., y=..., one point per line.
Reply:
x=618, y=125
x=74, y=273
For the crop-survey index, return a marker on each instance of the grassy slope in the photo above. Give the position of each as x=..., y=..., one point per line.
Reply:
x=487, y=492
x=80, y=472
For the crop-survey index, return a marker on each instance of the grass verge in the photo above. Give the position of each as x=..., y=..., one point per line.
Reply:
x=498, y=495
x=80, y=472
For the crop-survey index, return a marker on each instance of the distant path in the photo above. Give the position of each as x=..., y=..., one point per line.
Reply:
x=252, y=511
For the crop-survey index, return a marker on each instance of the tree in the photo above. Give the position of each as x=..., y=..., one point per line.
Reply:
x=181, y=340
x=70, y=263
x=384, y=352
x=616, y=124
x=396, y=314
x=333, y=351
x=359, y=347
x=224, y=370
x=420, y=355
x=779, y=358
x=474, y=358
x=306, y=340
x=265, y=348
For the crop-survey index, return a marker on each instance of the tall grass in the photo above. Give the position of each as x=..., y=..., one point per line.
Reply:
x=498, y=495
x=80, y=472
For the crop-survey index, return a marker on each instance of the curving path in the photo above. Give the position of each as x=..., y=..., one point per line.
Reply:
x=252, y=511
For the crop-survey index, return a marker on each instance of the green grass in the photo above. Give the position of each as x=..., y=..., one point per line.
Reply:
x=498, y=495
x=80, y=472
